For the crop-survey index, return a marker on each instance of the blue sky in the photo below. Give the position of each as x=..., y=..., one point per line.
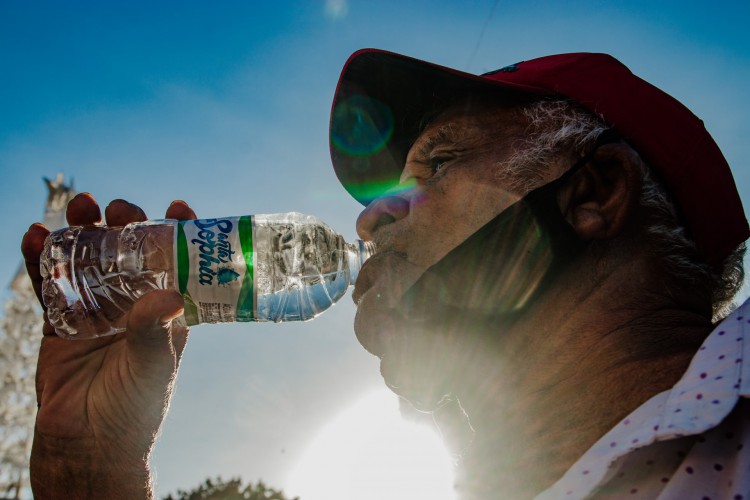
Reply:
x=225, y=104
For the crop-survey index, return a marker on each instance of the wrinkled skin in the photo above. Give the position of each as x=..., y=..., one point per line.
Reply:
x=542, y=384
x=101, y=402
x=456, y=186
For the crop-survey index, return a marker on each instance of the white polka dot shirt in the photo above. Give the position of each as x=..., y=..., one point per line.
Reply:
x=690, y=442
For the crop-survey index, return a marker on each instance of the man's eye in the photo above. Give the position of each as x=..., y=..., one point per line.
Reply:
x=438, y=163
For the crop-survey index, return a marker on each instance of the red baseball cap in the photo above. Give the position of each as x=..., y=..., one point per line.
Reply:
x=382, y=98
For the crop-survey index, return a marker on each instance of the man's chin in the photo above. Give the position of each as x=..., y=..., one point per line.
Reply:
x=418, y=374
x=423, y=399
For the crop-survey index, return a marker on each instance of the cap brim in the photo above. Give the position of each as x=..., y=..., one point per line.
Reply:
x=380, y=105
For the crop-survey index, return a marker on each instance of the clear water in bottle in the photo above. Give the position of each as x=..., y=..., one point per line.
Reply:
x=279, y=267
x=303, y=266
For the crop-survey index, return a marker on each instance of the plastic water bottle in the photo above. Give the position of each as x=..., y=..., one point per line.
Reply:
x=279, y=267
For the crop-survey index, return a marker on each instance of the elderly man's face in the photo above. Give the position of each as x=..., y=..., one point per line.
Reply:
x=454, y=181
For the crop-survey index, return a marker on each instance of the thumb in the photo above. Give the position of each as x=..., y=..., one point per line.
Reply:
x=149, y=331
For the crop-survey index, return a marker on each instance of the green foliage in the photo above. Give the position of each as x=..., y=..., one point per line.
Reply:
x=218, y=489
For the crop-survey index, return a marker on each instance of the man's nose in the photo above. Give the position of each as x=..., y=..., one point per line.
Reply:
x=380, y=212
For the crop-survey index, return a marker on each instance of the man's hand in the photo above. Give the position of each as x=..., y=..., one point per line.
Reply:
x=101, y=402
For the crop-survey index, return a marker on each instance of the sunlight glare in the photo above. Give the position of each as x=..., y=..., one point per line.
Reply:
x=336, y=9
x=369, y=452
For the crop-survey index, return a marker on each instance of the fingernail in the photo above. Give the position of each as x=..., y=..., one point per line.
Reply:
x=167, y=318
x=86, y=194
x=174, y=313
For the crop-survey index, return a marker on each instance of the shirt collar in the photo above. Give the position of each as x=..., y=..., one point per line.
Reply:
x=701, y=399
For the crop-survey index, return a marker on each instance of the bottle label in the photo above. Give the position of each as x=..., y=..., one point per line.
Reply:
x=215, y=269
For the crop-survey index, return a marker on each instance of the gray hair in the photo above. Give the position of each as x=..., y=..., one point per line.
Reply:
x=559, y=127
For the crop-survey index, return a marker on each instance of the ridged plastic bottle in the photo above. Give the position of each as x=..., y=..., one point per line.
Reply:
x=278, y=267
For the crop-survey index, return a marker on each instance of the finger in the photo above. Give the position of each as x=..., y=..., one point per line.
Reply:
x=149, y=333
x=83, y=210
x=121, y=213
x=180, y=210
x=32, y=245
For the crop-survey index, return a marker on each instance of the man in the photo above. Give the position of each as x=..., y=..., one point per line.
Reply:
x=554, y=241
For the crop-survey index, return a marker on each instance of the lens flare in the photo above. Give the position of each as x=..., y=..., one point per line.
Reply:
x=361, y=126
x=369, y=191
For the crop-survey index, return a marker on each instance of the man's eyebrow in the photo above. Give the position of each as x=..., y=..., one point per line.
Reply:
x=443, y=134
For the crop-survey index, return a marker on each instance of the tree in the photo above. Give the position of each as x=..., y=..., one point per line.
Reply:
x=218, y=489
x=20, y=332
x=19, y=342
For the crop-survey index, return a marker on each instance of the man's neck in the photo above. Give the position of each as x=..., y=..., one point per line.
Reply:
x=559, y=380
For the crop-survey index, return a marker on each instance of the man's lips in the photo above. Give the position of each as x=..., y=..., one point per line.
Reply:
x=373, y=325
x=381, y=283
x=389, y=271
x=401, y=328
x=365, y=279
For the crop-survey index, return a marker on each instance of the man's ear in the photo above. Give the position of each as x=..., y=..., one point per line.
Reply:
x=602, y=197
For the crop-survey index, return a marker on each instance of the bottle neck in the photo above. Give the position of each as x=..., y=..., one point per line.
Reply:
x=358, y=252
